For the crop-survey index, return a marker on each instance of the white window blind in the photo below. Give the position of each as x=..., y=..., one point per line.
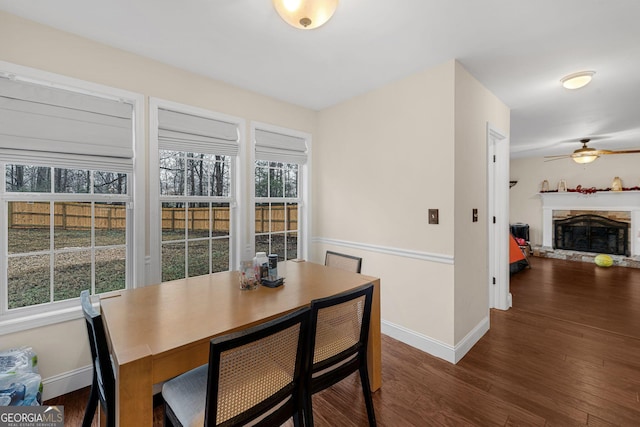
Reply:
x=196, y=134
x=277, y=147
x=51, y=126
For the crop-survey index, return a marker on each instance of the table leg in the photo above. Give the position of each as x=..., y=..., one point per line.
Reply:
x=374, y=349
x=134, y=391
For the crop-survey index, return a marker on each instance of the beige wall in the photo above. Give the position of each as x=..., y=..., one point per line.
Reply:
x=525, y=204
x=475, y=106
x=385, y=159
x=63, y=347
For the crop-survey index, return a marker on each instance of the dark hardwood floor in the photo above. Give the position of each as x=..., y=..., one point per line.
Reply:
x=566, y=354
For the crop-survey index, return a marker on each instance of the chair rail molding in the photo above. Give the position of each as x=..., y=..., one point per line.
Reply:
x=405, y=253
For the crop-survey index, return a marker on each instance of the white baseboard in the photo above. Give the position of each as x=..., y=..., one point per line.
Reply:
x=452, y=354
x=471, y=339
x=66, y=382
x=73, y=380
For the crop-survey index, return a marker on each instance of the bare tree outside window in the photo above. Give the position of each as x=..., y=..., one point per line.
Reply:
x=110, y=183
x=221, y=180
x=29, y=179
x=72, y=181
x=172, y=173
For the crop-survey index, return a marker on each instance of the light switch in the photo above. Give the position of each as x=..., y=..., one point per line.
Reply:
x=474, y=215
x=433, y=216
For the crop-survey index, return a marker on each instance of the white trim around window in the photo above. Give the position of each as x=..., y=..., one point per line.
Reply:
x=70, y=309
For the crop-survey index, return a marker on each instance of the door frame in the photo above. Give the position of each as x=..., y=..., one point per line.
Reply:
x=498, y=208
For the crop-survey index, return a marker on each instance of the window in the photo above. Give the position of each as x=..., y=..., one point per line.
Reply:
x=66, y=194
x=280, y=192
x=66, y=232
x=197, y=155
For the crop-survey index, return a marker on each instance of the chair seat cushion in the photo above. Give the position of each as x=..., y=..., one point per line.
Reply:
x=186, y=395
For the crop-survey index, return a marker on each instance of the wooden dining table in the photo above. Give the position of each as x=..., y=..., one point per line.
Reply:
x=159, y=331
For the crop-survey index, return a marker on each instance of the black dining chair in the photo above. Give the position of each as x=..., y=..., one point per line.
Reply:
x=338, y=337
x=343, y=261
x=103, y=386
x=253, y=376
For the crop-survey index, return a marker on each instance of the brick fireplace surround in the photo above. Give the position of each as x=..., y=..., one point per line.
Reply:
x=618, y=205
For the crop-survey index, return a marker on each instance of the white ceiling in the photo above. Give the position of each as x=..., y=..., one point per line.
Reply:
x=519, y=49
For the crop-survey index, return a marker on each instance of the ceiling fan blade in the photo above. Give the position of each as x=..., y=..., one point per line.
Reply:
x=552, y=158
x=622, y=152
x=558, y=156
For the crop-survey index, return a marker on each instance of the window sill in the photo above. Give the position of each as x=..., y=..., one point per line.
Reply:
x=38, y=320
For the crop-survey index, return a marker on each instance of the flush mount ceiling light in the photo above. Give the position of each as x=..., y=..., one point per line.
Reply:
x=577, y=80
x=305, y=14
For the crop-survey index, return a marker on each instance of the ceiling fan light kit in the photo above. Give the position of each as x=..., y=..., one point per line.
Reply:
x=584, y=158
x=585, y=154
x=577, y=80
x=305, y=14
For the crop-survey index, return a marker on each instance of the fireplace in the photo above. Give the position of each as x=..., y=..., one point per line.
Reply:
x=592, y=233
x=616, y=205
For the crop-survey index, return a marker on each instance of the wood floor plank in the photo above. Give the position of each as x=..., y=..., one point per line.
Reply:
x=568, y=386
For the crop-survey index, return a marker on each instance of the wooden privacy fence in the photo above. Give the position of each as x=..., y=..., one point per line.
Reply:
x=68, y=216
x=279, y=221
x=198, y=219
x=77, y=216
x=174, y=218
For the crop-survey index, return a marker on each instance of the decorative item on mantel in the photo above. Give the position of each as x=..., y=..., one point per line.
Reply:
x=617, y=184
x=562, y=186
x=591, y=190
x=545, y=186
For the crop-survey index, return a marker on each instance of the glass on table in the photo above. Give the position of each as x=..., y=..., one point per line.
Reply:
x=248, y=279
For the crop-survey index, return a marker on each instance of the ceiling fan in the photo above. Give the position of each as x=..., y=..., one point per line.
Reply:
x=587, y=155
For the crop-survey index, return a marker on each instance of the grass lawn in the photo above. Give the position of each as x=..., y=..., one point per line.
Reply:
x=29, y=275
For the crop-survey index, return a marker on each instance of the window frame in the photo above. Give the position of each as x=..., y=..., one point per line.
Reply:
x=47, y=314
x=236, y=215
x=304, y=189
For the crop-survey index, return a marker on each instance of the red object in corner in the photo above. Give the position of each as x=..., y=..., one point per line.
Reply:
x=515, y=253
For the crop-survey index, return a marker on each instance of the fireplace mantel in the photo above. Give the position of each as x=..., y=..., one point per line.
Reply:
x=627, y=201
